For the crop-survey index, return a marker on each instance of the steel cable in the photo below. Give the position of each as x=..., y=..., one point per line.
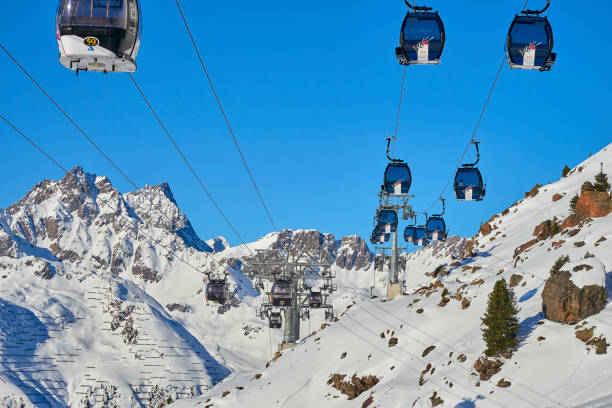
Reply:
x=229, y=127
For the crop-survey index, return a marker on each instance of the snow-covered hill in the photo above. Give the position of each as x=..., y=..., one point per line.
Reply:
x=420, y=349
x=102, y=302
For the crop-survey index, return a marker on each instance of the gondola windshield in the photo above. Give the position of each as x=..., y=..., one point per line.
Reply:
x=530, y=41
x=106, y=13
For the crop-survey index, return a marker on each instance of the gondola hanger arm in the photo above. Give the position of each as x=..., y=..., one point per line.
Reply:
x=537, y=12
x=417, y=8
x=389, y=139
x=443, y=208
x=475, y=143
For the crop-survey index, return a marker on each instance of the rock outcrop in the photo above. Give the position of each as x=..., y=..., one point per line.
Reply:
x=353, y=253
x=593, y=204
x=564, y=302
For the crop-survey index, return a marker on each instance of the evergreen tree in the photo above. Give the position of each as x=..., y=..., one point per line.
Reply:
x=573, y=203
x=501, y=322
x=566, y=170
x=601, y=181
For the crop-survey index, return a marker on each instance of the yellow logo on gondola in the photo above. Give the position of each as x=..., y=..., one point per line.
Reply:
x=91, y=41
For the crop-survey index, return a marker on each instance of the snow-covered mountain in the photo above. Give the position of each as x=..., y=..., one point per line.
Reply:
x=425, y=348
x=102, y=297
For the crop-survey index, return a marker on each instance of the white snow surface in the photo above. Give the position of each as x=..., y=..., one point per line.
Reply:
x=551, y=367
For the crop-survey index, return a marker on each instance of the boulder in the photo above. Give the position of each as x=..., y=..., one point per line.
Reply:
x=485, y=229
x=564, y=302
x=557, y=197
x=524, y=247
x=487, y=368
x=543, y=230
x=594, y=204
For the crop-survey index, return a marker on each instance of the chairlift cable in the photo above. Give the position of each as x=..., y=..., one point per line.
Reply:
x=212, y=87
x=210, y=197
x=473, y=138
x=399, y=110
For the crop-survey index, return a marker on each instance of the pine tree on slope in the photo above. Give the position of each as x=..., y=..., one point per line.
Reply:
x=601, y=181
x=501, y=322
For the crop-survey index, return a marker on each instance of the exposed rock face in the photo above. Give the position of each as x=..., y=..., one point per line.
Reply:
x=593, y=203
x=308, y=240
x=543, y=231
x=524, y=247
x=83, y=221
x=353, y=388
x=350, y=253
x=564, y=302
x=485, y=229
x=354, y=253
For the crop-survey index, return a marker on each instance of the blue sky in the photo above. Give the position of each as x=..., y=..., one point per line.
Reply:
x=311, y=90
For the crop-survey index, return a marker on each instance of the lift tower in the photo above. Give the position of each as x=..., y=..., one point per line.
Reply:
x=299, y=267
x=398, y=201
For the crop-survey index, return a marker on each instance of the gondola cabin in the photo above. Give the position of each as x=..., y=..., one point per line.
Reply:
x=315, y=300
x=530, y=44
x=422, y=39
x=469, y=185
x=387, y=220
x=435, y=229
x=282, y=293
x=99, y=35
x=275, y=321
x=217, y=291
x=420, y=236
x=397, y=179
x=409, y=234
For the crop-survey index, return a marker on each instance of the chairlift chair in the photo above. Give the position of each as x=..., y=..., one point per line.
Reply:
x=422, y=37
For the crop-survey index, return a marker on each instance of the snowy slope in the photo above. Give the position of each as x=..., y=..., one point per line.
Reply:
x=102, y=297
x=551, y=368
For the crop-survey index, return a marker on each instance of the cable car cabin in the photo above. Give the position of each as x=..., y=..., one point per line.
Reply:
x=387, y=220
x=397, y=179
x=216, y=291
x=435, y=228
x=469, y=185
x=530, y=43
x=282, y=293
x=422, y=39
x=409, y=234
x=315, y=300
x=420, y=236
x=98, y=35
x=275, y=321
